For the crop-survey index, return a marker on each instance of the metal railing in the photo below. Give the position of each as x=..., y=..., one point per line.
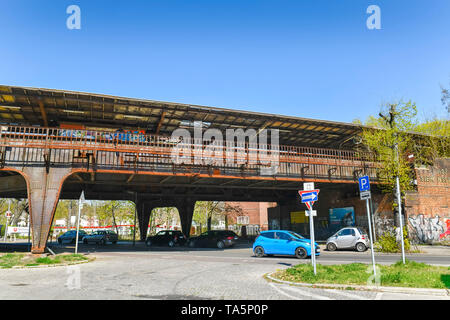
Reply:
x=99, y=150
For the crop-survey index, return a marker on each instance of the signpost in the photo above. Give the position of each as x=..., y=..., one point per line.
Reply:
x=80, y=206
x=364, y=189
x=8, y=215
x=310, y=195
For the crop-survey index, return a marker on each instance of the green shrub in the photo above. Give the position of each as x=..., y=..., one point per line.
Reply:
x=387, y=243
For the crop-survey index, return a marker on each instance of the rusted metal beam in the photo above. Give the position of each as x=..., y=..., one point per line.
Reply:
x=161, y=120
x=43, y=112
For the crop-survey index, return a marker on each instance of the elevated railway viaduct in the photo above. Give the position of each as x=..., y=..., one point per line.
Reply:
x=55, y=144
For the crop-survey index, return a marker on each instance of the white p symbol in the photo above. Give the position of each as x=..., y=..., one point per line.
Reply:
x=364, y=183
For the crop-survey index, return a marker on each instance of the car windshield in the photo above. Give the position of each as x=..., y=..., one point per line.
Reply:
x=296, y=235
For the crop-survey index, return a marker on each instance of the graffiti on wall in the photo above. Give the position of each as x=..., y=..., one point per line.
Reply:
x=447, y=232
x=428, y=230
x=383, y=225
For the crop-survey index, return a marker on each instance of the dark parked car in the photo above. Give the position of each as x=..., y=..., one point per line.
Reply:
x=169, y=238
x=214, y=238
x=101, y=237
x=71, y=236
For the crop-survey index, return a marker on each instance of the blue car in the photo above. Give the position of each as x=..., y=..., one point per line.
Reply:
x=283, y=242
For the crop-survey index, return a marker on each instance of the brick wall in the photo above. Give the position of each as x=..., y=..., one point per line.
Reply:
x=428, y=209
x=256, y=211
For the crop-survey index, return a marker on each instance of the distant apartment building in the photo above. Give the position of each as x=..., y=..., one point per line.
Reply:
x=253, y=213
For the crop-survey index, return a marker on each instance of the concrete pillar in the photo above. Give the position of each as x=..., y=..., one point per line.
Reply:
x=144, y=210
x=186, y=211
x=44, y=189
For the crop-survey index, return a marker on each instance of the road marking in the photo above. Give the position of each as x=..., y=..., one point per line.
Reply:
x=346, y=294
x=378, y=296
x=306, y=294
x=283, y=293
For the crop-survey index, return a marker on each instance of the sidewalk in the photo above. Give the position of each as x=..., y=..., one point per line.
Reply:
x=407, y=290
x=434, y=250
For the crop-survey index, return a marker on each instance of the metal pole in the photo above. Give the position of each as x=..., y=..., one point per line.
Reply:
x=399, y=201
x=372, y=213
x=29, y=231
x=7, y=221
x=135, y=213
x=313, y=247
x=78, y=226
x=371, y=239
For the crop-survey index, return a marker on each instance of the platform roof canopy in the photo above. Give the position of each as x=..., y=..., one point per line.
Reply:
x=52, y=108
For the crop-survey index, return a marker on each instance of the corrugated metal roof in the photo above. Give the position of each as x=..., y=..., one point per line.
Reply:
x=50, y=107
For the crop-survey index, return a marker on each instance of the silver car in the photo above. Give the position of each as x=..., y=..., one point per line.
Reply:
x=349, y=238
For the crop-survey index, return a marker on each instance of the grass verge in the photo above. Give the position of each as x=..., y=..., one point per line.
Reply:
x=412, y=275
x=10, y=260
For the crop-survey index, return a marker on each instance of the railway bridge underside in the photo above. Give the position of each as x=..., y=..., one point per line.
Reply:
x=45, y=165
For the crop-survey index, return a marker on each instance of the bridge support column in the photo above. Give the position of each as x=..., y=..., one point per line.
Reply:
x=144, y=210
x=186, y=211
x=44, y=189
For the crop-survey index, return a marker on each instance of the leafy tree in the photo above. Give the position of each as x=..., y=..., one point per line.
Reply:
x=207, y=212
x=391, y=132
x=445, y=98
x=165, y=215
x=434, y=141
x=231, y=212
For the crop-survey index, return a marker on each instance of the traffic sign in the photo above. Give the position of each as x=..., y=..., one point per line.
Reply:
x=308, y=186
x=365, y=195
x=309, y=196
x=313, y=213
x=364, y=184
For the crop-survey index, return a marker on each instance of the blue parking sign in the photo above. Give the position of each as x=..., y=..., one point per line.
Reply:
x=364, y=184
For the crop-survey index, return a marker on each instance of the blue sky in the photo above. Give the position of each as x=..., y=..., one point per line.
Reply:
x=313, y=59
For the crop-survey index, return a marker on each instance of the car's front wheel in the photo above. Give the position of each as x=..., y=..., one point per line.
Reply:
x=259, y=252
x=220, y=244
x=361, y=247
x=301, y=253
x=148, y=243
x=171, y=244
x=191, y=244
x=331, y=247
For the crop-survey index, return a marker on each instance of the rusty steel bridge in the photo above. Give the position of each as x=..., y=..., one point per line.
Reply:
x=45, y=163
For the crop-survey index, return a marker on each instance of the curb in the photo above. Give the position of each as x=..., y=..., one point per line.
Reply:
x=419, y=291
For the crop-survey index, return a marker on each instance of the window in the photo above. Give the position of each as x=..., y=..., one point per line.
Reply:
x=269, y=235
x=345, y=232
x=296, y=235
x=283, y=236
x=243, y=220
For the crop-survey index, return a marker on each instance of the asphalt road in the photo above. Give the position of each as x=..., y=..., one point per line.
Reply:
x=244, y=252
x=127, y=272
